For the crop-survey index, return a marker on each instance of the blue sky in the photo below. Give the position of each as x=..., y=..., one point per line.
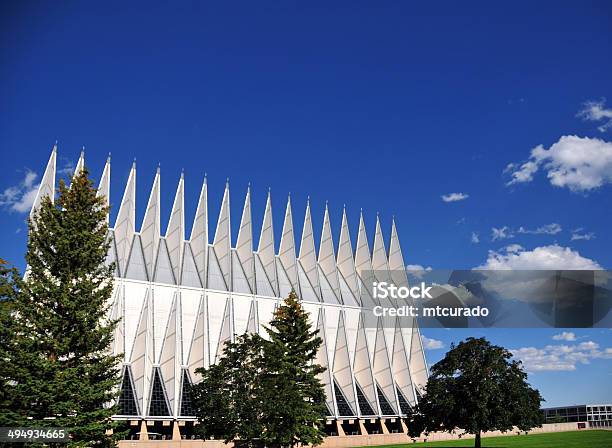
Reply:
x=386, y=106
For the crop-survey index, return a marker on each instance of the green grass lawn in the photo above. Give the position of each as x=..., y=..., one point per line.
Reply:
x=571, y=439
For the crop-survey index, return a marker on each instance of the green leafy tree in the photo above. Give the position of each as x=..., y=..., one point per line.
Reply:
x=60, y=325
x=294, y=398
x=265, y=392
x=227, y=400
x=477, y=387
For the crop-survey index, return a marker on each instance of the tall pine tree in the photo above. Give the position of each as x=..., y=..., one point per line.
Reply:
x=61, y=317
x=294, y=398
x=11, y=403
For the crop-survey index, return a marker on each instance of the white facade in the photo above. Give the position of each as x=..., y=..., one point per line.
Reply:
x=180, y=298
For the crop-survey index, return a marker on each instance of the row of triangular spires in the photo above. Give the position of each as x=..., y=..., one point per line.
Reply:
x=146, y=255
x=165, y=335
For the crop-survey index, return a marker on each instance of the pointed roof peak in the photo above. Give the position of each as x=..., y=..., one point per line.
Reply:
x=47, y=184
x=182, y=173
x=150, y=226
x=175, y=231
x=199, y=233
x=393, y=227
x=80, y=164
x=244, y=242
x=307, y=256
x=287, y=245
x=108, y=158
x=125, y=222
x=265, y=247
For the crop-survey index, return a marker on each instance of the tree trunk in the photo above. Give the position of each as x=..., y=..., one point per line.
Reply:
x=477, y=440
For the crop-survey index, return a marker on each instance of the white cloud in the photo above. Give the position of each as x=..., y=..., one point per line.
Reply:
x=516, y=273
x=505, y=232
x=501, y=233
x=548, y=229
x=524, y=173
x=560, y=357
x=596, y=111
x=20, y=198
x=417, y=270
x=67, y=168
x=565, y=336
x=432, y=344
x=576, y=236
x=475, y=239
x=578, y=163
x=540, y=360
x=589, y=345
x=513, y=248
x=545, y=257
x=454, y=197
x=24, y=205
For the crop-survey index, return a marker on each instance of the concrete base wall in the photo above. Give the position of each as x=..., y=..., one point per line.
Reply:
x=345, y=441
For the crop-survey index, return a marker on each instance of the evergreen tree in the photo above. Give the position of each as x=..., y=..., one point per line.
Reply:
x=293, y=397
x=61, y=323
x=476, y=388
x=11, y=404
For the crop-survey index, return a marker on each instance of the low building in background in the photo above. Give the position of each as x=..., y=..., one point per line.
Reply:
x=595, y=415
